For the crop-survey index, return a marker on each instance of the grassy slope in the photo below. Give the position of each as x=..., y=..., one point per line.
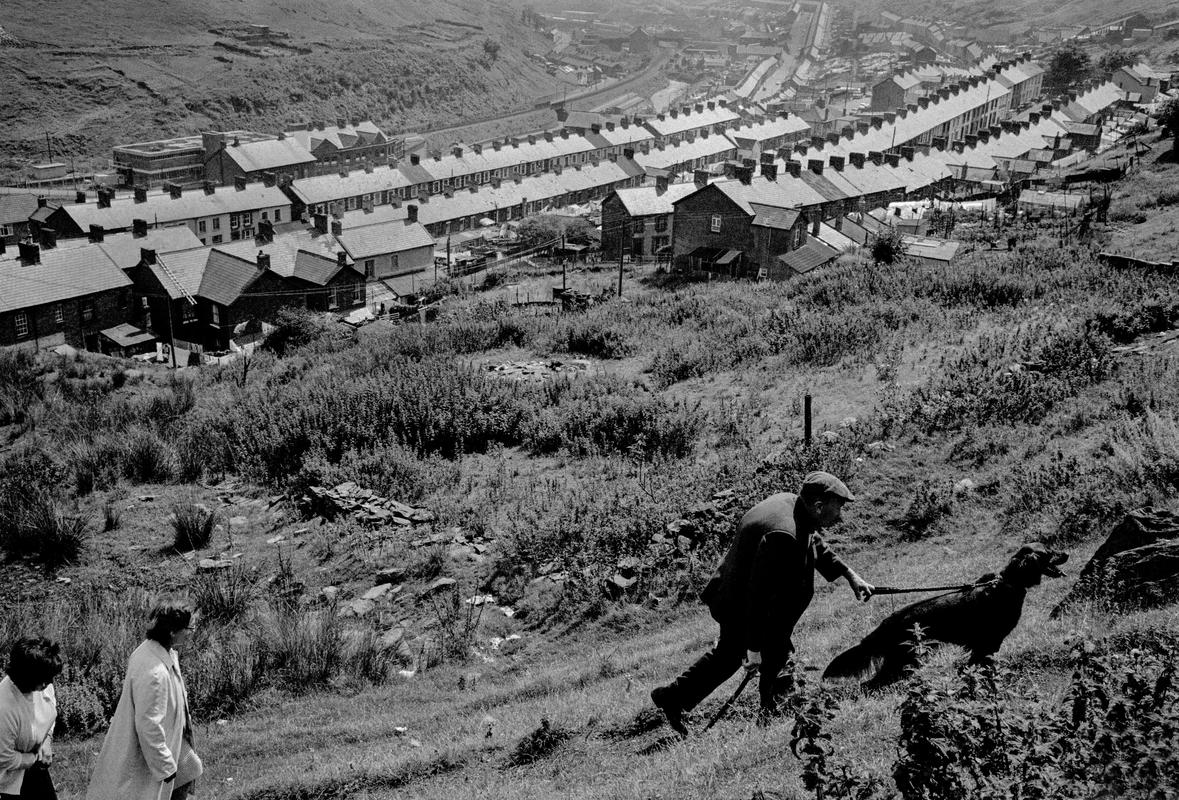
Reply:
x=107, y=73
x=592, y=679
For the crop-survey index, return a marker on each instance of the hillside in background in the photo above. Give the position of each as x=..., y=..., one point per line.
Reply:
x=1017, y=16
x=127, y=71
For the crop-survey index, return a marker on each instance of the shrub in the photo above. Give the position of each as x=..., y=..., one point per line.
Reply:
x=31, y=525
x=931, y=502
x=594, y=337
x=192, y=525
x=147, y=458
x=294, y=328
x=96, y=464
x=20, y=386
x=111, y=517
x=224, y=595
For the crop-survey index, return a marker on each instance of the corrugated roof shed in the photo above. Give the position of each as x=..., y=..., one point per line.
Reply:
x=811, y=255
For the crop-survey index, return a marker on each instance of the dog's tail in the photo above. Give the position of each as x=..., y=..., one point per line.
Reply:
x=851, y=663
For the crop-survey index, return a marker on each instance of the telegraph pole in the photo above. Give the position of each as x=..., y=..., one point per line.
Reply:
x=621, y=237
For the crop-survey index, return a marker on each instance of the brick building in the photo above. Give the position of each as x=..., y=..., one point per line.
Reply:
x=345, y=145
x=742, y=227
x=181, y=160
x=15, y=210
x=60, y=296
x=638, y=222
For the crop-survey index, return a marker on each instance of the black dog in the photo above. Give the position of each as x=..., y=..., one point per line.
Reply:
x=978, y=618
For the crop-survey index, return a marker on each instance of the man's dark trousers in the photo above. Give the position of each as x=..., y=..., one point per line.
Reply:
x=718, y=665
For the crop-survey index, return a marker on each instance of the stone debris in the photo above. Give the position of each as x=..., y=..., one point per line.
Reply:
x=538, y=370
x=275, y=539
x=499, y=641
x=379, y=591
x=363, y=504
x=393, y=575
x=213, y=564
x=480, y=599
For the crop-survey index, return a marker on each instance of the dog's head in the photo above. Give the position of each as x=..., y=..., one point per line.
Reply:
x=1031, y=562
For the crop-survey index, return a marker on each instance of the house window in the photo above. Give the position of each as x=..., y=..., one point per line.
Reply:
x=660, y=224
x=189, y=315
x=215, y=314
x=248, y=219
x=5, y=230
x=277, y=215
x=217, y=224
x=59, y=314
x=333, y=298
x=265, y=215
x=217, y=239
x=200, y=226
x=22, y=324
x=234, y=222
x=370, y=268
x=716, y=223
x=434, y=187
x=235, y=235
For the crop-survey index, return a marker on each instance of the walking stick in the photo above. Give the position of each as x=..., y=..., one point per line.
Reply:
x=729, y=703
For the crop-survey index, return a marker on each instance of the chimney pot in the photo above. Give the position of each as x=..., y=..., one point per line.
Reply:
x=411, y=211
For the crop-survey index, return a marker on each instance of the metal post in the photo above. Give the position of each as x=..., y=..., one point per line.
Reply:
x=806, y=420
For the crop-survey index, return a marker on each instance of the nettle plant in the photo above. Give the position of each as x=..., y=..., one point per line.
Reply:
x=985, y=734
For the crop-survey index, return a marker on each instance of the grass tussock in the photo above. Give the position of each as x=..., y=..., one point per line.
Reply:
x=192, y=526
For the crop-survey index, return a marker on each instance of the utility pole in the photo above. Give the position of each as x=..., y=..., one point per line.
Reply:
x=48, y=147
x=621, y=238
x=806, y=420
x=564, y=264
x=171, y=333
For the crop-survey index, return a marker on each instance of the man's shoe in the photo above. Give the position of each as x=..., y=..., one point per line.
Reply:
x=660, y=696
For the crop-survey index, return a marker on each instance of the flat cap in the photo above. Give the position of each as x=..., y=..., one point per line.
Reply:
x=816, y=483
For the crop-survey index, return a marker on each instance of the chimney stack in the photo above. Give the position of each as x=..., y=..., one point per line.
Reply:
x=79, y=197
x=263, y=260
x=209, y=187
x=147, y=256
x=660, y=184
x=174, y=190
x=104, y=197
x=239, y=182
x=48, y=238
x=815, y=165
x=836, y=162
x=321, y=223
x=269, y=178
x=411, y=211
x=700, y=178
x=29, y=252
x=337, y=227
x=139, y=228
x=856, y=160
x=794, y=168
x=769, y=171
x=342, y=258
x=97, y=233
x=140, y=194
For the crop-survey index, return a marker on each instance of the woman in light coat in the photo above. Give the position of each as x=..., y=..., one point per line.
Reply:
x=148, y=752
x=28, y=711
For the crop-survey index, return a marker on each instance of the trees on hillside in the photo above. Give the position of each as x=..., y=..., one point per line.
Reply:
x=1169, y=119
x=1114, y=60
x=1069, y=65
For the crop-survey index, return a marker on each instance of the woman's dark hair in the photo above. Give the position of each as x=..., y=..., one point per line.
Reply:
x=168, y=617
x=34, y=661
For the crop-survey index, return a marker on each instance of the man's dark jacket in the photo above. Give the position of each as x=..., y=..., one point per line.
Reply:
x=767, y=578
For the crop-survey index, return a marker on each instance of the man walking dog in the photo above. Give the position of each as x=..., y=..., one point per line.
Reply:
x=761, y=589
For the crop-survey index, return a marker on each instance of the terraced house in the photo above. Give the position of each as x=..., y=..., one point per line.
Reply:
x=345, y=145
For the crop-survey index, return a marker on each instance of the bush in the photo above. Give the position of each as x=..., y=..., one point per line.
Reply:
x=192, y=525
x=294, y=328
x=988, y=734
x=147, y=458
x=111, y=517
x=225, y=595
x=32, y=525
x=96, y=464
x=20, y=386
x=931, y=502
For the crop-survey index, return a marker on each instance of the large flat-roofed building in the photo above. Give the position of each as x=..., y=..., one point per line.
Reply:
x=181, y=160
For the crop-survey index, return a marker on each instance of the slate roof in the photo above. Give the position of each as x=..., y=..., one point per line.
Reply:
x=772, y=217
x=339, y=137
x=670, y=125
x=785, y=192
x=644, y=201
x=16, y=208
x=293, y=254
x=685, y=151
x=327, y=188
x=384, y=238
x=226, y=277
x=812, y=254
x=161, y=208
x=124, y=248
x=63, y=274
x=769, y=129
x=267, y=155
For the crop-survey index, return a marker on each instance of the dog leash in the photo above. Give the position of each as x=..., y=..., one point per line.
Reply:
x=958, y=588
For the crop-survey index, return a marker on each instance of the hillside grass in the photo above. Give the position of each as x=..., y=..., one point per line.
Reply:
x=1002, y=371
